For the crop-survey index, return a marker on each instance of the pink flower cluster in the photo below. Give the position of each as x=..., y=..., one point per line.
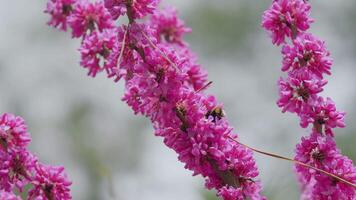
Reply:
x=306, y=61
x=287, y=19
x=20, y=168
x=134, y=9
x=164, y=82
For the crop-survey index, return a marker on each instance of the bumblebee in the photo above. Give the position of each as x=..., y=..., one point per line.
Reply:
x=217, y=113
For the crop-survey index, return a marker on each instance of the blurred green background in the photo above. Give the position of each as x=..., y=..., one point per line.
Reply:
x=109, y=153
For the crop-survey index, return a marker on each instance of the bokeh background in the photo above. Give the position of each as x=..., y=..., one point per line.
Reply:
x=109, y=153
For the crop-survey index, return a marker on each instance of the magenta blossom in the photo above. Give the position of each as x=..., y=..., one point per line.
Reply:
x=133, y=8
x=298, y=93
x=168, y=26
x=307, y=55
x=231, y=193
x=307, y=61
x=136, y=47
x=327, y=187
x=323, y=187
x=20, y=168
x=164, y=83
x=156, y=79
x=59, y=11
x=16, y=169
x=317, y=151
x=321, y=152
x=13, y=132
x=197, y=76
x=286, y=18
x=8, y=196
x=99, y=52
x=197, y=130
x=50, y=183
x=116, y=7
x=89, y=17
x=323, y=116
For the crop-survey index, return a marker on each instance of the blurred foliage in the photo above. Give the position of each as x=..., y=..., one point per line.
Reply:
x=96, y=171
x=222, y=30
x=346, y=143
x=209, y=195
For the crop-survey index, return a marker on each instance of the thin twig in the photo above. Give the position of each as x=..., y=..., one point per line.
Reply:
x=122, y=46
x=204, y=87
x=296, y=162
x=160, y=51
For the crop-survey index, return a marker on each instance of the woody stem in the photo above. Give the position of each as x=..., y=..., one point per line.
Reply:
x=296, y=162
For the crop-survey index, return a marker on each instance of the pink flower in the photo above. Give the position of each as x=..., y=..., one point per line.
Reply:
x=307, y=189
x=321, y=152
x=231, y=193
x=8, y=196
x=89, y=17
x=13, y=132
x=286, y=18
x=323, y=116
x=116, y=7
x=307, y=60
x=133, y=8
x=99, y=51
x=168, y=26
x=298, y=93
x=317, y=151
x=59, y=11
x=50, y=183
x=19, y=167
x=197, y=130
x=156, y=80
x=330, y=188
x=135, y=49
x=164, y=83
x=16, y=168
x=197, y=76
x=307, y=55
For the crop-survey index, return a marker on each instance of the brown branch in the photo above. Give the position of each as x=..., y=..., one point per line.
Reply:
x=297, y=162
x=204, y=87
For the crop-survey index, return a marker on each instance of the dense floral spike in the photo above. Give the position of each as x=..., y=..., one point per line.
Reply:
x=8, y=196
x=20, y=168
x=133, y=8
x=307, y=61
x=50, y=183
x=59, y=11
x=164, y=82
x=169, y=27
x=307, y=55
x=13, y=132
x=197, y=130
x=99, y=52
x=286, y=18
x=88, y=16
